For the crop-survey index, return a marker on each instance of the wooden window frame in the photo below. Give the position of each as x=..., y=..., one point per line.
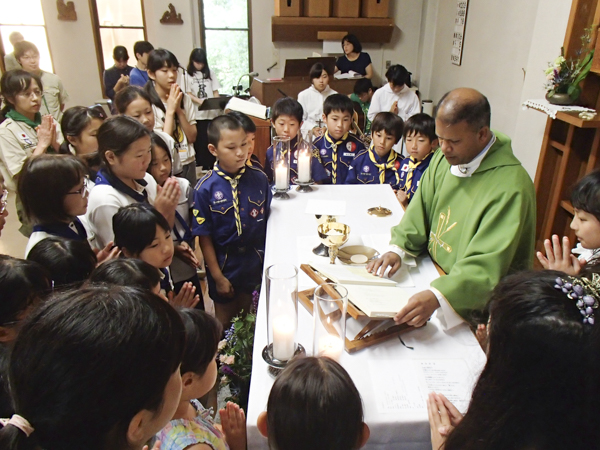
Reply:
x=98, y=42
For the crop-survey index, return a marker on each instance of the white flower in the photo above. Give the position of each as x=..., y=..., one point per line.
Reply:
x=558, y=61
x=224, y=380
x=230, y=359
x=222, y=344
x=222, y=358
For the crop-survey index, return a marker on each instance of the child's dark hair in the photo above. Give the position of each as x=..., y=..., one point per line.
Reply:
x=86, y=362
x=247, y=124
x=398, y=75
x=357, y=47
x=422, y=124
x=198, y=55
x=202, y=336
x=130, y=272
x=22, y=283
x=317, y=70
x=44, y=182
x=160, y=142
x=225, y=122
x=362, y=86
x=120, y=53
x=75, y=120
x=14, y=82
x=69, y=262
x=537, y=344
x=141, y=47
x=22, y=47
x=586, y=194
x=338, y=103
x=157, y=59
x=388, y=122
x=117, y=134
x=287, y=106
x=125, y=96
x=308, y=390
x=135, y=226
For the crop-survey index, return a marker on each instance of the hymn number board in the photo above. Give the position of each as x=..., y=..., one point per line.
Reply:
x=459, y=31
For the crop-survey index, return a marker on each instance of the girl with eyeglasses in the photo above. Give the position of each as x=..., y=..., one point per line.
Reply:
x=54, y=190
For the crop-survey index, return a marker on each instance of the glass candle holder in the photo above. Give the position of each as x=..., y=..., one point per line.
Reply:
x=281, y=164
x=282, y=313
x=304, y=157
x=330, y=304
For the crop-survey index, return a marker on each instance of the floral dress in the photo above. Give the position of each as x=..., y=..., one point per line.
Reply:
x=182, y=433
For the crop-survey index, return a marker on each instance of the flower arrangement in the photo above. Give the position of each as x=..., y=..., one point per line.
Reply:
x=563, y=76
x=236, y=355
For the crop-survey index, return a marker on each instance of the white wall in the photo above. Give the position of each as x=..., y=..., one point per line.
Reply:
x=403, y=49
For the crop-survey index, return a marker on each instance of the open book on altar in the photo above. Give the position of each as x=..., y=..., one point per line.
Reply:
x=374, y=296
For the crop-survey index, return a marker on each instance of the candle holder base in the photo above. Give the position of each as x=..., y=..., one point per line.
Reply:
x=281, y=194
x=304, y=186
x=276, y=366
x=321, y=250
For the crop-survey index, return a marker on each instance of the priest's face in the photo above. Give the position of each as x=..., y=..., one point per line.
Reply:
x=460, y=143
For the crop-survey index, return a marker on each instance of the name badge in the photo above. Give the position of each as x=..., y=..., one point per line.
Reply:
x=349, y=154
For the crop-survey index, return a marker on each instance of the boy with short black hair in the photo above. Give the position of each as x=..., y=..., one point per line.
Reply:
x=421, y=144
x=138, y=75
x=250, y=129
x=286, y=118
x=230, y=210
x=380, y=163
x=338, y=147
x=363, y=93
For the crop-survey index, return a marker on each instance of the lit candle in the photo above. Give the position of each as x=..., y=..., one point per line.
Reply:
x=281, y=177
x=304, y=167
x=284, y=332
x=331, y=346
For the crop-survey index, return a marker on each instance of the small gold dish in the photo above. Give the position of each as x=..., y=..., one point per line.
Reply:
x=379, y=211
x=357, y=255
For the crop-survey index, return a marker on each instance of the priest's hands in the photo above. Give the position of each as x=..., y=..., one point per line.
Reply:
x=443, y=418
x=379, y=266
x=418, y=310
x=560, y=258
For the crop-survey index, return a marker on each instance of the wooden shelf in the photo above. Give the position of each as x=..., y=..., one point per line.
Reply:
x=306, y=29
x=558, y=146
x=574, y=119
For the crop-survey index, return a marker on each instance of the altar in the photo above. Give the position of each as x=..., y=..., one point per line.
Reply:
x=394, y=377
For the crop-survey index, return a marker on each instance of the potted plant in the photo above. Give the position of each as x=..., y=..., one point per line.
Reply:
x=563, y=76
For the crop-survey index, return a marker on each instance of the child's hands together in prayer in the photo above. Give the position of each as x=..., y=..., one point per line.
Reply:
x=186, y=297
x=167, y=197
x=560, y=258
x=233, y=421
x=174, y=100
x=443, y=418
x=394, y=108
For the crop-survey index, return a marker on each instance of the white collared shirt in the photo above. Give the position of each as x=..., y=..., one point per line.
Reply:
x=312, y=104
x=466, y=170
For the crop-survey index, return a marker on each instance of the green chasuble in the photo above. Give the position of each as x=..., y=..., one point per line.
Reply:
x=477, y=228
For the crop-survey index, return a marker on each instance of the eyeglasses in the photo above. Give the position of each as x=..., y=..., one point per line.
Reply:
x=34, y=93
x=30, y=57
x=85, y=190
x=3, y=201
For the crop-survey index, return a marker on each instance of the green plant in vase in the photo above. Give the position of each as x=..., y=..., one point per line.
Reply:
x=565, y=75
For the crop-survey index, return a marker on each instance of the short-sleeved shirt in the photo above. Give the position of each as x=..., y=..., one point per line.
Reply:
x=17, y=142
x=180, y=270
x=54, y=95
x=337, y=155
x=10, y=62
x=185, y=149
x=318, y=172
x=138, y=77
x=367, y=168
x=359, y=65
x=203, y=87
x=407, y=166
x=179, y=434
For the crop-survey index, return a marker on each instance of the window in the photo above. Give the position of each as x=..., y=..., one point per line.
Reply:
x=117, y=23
x=26, y=17
x=226, y=39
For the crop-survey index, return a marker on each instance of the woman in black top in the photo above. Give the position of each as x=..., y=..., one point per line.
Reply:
x=354, y=58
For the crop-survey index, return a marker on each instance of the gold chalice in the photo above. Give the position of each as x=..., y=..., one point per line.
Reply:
x=321, y=249
x=333, y=235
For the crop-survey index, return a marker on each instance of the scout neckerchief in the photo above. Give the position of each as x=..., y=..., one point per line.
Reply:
x=389, y=164
x=234, y=190
x=18, y=117
x=334, y=146
x=412, y=166
x=165, y=281
x=187, y=232
x=63, y=230
x=105, y=177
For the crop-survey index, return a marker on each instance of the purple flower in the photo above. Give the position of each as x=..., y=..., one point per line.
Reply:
x=226, y=370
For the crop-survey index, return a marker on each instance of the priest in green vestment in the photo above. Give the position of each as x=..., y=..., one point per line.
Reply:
x=474, y=212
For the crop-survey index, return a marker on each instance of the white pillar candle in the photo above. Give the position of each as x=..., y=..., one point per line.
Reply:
x=284, y=344
x=331, y=346
x=281, y=177
x=304, y=167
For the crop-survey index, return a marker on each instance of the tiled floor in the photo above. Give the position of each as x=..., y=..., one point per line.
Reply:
x=12, y=242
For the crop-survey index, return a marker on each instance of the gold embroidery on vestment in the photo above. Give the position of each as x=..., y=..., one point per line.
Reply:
x=435, y=239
